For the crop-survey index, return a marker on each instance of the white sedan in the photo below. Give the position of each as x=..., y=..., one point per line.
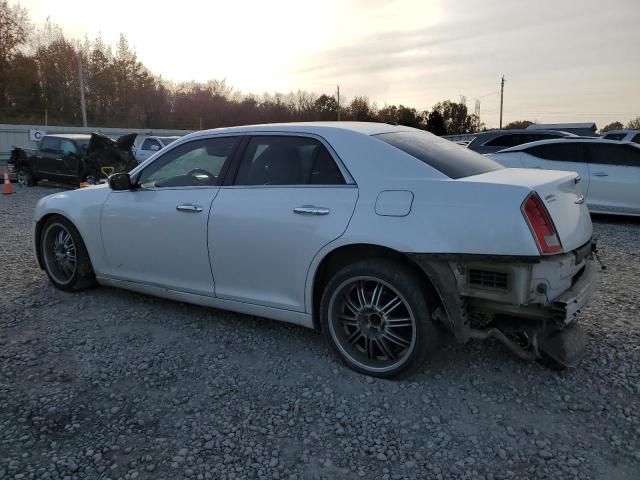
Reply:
x=609, y=170
x=376, y=235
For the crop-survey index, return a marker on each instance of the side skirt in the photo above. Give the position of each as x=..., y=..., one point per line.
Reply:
x=298, y=318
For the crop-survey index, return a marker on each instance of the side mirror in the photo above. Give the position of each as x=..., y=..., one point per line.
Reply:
x=120, y=181
x=154, y=148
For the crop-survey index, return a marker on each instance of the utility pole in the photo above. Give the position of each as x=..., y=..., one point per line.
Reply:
x=338, y=102
x=501, y=99
x=477, y=112
x=82, y=104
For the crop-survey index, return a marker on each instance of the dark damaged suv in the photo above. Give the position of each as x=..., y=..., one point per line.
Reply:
x=72, y=159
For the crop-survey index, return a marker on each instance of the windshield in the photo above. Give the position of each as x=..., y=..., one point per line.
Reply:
x=455, y=161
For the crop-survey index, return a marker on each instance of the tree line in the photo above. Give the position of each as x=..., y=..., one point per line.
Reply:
x=39, y=76
x=40, y=82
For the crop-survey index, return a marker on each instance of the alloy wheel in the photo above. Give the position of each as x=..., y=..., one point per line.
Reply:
x=59, y=251
x=372, y=324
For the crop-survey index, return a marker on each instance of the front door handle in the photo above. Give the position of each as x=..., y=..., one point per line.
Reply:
x=600, y=174
x=188, y=207
x=311, y=210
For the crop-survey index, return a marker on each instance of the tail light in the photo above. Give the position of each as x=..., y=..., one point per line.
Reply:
x=541, y=225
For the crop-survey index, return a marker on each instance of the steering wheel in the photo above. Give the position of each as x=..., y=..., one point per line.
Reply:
x=197, y=175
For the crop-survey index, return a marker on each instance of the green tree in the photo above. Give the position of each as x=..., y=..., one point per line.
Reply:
x=435, y=123
x=409, y=117
x=455, y=116
x=14, y=28
x=360, y=110
x=388, y=114
x=326, y=108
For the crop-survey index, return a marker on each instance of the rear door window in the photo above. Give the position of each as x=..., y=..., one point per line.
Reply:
x=284, y=160
x=560, y=152
x=636, y=139
x=623, y=155
x=452, y=160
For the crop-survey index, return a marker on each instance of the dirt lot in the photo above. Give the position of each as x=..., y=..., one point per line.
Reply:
x=111, y=384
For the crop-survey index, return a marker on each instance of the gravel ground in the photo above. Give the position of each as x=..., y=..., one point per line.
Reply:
x=111, y=384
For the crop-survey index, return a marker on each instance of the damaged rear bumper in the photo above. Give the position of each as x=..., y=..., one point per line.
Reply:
x=515, y=297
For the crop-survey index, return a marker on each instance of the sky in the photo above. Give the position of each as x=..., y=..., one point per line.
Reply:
x=563, y=60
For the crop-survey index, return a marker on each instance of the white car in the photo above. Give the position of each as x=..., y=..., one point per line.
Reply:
x=609, y=170
x=149, y=146
x=370, y=233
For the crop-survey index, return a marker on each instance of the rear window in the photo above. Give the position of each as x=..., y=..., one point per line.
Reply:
x=452, y=160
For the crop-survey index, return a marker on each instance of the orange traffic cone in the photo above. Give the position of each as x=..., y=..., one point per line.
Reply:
x=7, y=188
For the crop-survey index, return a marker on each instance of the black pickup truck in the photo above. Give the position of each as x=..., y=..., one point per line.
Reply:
x=72, y=159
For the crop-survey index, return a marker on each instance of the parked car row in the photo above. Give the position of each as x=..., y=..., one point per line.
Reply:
x=609, y=166
x=609, y=170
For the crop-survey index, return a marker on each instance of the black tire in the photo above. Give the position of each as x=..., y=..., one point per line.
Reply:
x=24, y=178
x=377, y=350
x=58, y=238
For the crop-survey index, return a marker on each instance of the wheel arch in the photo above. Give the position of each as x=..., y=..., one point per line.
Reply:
x=37, y=235
x=344, y=255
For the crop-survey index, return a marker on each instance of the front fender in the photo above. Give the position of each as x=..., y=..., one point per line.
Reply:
x=82, y=208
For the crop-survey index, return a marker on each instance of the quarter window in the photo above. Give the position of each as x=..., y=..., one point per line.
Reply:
x=194, y=164
x=282, y=160
x=562, y=152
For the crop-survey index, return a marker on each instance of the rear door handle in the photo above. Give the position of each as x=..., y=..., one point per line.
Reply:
x=600, y=174
x=189, y=207
x=311, y=210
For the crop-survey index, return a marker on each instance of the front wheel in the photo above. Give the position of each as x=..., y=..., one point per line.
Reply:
x=25, y=179
x=375, y=315
x=65, y=256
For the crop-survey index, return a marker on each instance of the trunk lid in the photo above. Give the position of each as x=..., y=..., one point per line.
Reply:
x=559, y=193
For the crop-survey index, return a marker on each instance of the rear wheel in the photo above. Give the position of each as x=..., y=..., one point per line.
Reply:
x=25, y=179
x=65, y=256
x=375, y=315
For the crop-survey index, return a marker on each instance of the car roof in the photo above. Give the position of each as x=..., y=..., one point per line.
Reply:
x=365, y=128
x=517, y=148
x=71, y=136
